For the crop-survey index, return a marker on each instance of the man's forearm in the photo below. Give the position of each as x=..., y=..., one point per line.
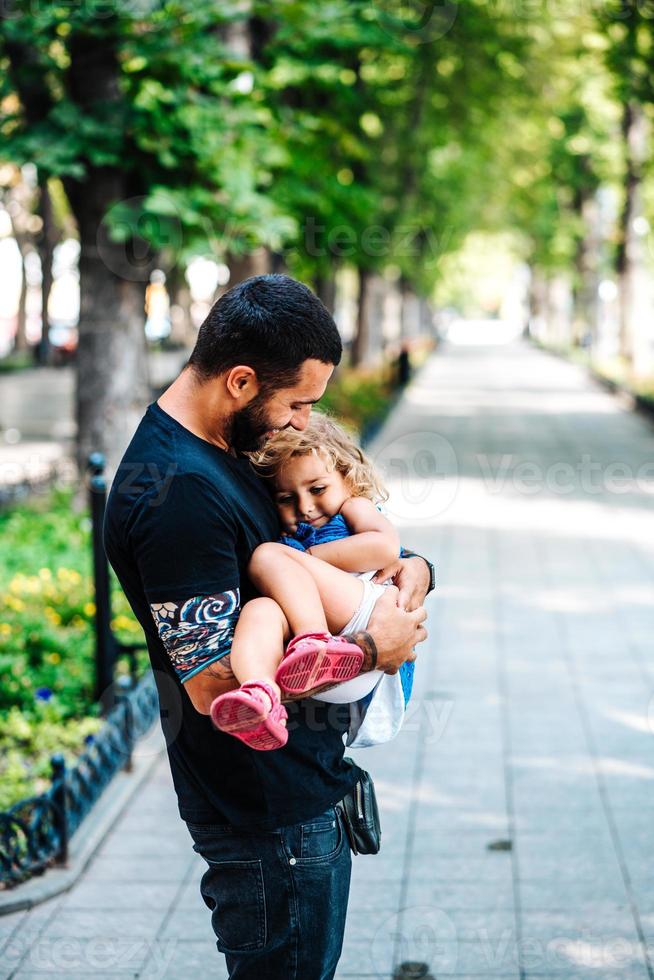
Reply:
x=430, y=582
x=368, y=646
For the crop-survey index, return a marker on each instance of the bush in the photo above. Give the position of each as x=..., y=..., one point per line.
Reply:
x=359, y=396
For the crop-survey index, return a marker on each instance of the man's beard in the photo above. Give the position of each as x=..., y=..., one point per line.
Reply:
x=249, y=426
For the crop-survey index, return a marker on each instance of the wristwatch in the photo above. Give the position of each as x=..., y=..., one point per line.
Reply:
x=432, y=570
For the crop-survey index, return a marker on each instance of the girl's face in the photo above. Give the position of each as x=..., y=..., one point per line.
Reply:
x=306, y=491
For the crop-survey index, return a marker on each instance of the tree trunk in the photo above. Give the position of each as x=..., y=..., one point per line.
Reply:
x=410, y=311
x=25, y=244
x=629, y=256
x=112, y=378
x=46, y=244
x=20, y=340
x=360, y=342
x=241, y=267
x=182, y=331
x=326, y=290
x=585, y=299
x=559, y=311
x=538, y=324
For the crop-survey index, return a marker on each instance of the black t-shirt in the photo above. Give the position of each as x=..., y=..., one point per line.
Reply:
x=183, y=518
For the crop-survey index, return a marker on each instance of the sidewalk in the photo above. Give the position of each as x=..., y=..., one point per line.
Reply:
x=37, y=423
x=518, y=802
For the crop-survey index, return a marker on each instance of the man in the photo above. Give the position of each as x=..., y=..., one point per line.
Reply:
x=185, y=513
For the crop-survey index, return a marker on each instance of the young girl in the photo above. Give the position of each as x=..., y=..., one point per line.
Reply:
x=314, y=584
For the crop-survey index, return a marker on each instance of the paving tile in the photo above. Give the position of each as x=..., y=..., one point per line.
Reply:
x=538, y=819
x=466, y=895
x=173, y=869
x=385, y=895
x=105, y=924
x=588, y=864
x=91, y=894
x=159, y=846
x=66, y=972
x=488, y=867
x=575, y=972
x=184, y=960
x=360, y=959
x=556, y=893
x=496, y=957
x=188, y=924
x=74, y=956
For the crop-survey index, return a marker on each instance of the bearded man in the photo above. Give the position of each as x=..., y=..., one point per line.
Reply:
x=185, y=513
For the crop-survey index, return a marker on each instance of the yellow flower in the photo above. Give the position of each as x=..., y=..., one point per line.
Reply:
x=45, y=574
x=125, y=623
x=5, y=629
x=53, y=658
x=52, y=615
x=89, y=609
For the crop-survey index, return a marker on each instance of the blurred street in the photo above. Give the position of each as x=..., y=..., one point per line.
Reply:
x=37, y=417
x=518, y=801
x=39, y=402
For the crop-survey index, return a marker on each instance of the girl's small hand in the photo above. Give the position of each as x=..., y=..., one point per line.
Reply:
x=411, y=577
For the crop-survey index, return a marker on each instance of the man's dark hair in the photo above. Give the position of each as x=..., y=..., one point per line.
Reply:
x=271, y=323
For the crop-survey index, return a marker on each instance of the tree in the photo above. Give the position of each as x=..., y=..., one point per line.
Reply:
x=156, y=145
x=630, y=35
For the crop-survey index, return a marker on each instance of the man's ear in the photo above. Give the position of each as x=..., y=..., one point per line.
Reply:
x=241, y=382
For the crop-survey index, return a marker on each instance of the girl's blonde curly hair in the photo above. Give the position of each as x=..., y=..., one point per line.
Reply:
x=336, y=448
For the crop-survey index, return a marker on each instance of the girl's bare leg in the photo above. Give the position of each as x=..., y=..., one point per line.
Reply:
x=259, y=640
x=315, y=596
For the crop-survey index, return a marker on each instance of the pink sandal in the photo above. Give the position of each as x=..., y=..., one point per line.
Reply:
x=245, y=714
x=316, y=659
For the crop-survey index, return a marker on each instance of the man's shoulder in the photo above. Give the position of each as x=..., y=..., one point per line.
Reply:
x=163, y=486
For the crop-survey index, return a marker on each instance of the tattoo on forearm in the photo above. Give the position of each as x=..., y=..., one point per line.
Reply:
x=221, y=669
x=367, y=644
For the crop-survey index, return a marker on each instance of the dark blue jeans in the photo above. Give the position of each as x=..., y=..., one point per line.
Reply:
x=278, y=898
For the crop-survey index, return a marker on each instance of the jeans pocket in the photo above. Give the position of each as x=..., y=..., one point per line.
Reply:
x=234, y=891
x=320, y=838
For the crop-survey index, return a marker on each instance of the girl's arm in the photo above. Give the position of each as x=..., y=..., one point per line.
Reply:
x=374, y=542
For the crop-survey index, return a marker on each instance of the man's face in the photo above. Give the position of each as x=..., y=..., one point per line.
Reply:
x=267, y=413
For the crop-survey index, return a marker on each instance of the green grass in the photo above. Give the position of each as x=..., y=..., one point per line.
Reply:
x=16, y=362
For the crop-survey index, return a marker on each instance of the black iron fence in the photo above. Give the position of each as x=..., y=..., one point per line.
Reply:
x=107, y=648
x=35, y=832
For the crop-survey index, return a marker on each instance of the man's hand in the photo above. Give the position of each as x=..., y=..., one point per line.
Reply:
x=411, y=576
x=204, y=687
x=395, y=631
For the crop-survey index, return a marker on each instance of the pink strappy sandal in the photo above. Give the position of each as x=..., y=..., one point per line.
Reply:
x=245, y=714
x=315, y=659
